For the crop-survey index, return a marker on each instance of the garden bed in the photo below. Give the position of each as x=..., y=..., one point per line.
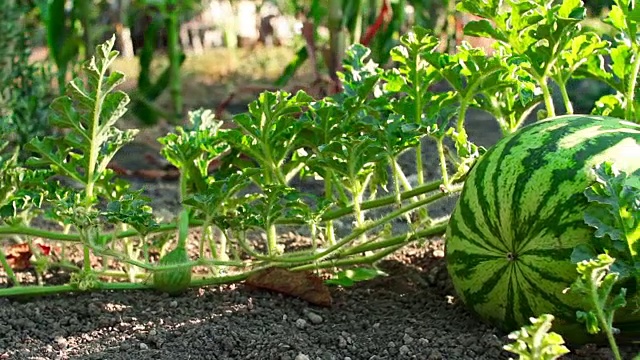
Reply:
x=410, y=314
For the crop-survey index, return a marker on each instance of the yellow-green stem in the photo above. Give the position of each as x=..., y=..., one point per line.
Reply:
x=565, y=98
x=604, y=322
x=462, y=115
x=328, y=193
x=417, y=85
x=443, y=162
x=86, y=258
x=548, y=99
x=204, y=237
x=631, y=101
x=357, y=26
x=327, y=217
x=368, y=227
x=272, y=239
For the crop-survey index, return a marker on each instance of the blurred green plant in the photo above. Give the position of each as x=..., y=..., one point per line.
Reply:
x=24, y=85
x=377, y=24
x=548, y=42
x=70, y=31
x=164, y=15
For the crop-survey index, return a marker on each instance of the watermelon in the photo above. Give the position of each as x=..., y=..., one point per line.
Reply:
x=173, y=281
x=520, y=215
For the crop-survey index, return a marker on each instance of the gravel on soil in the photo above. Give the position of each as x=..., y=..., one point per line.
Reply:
x=410, y=314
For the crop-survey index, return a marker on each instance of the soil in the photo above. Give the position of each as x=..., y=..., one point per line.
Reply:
x=410, y=314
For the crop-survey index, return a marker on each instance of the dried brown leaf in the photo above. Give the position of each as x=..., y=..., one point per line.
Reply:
x=303, y=284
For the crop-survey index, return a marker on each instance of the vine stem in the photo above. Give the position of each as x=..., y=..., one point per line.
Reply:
x=272, y=239
x=548, y=99
x=327, y=217
x=632, y=88
x=330, y=233
x=389, y=245
x=417, y=83
x=368, y=227
x=443, y=162
x=605, y=323
x=101, y=286
x=565, y=97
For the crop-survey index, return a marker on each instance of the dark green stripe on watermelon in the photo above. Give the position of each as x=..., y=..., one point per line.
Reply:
x=520, y=215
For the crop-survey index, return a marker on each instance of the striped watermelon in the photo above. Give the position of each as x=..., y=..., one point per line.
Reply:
x=520, y=214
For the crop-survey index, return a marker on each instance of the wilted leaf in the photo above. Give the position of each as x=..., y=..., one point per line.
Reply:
x=19, y=256
x=304, y=284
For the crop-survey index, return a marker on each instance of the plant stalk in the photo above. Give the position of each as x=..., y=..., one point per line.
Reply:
x=631, y=112
x=546, y=93
x=565, y=98
x=606, y=324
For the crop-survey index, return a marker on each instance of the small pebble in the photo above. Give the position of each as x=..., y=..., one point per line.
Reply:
x=404, y=350
x=153, y=332
x=61, y=342
x=435, y=355
x=301, y=323
x=342, y=342
x=144, y=346
x=314, y=318
x=302, y=356
x=173, y=304
x=407, y=339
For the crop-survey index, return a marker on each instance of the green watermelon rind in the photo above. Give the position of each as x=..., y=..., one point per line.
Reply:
x=173, y=281
x=525, y=199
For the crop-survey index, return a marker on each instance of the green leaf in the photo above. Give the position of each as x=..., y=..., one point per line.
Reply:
x=219, y=193
x=617, y=18
x=192, y=149
x=596, y=282
x=349, y=277
x=483, y=28
x=269, y=133
x=280, y=202
x=614, y=210
x=568, y=9
x=590, y=320
x=132, y=209
x=610, y=105
x=89, y=110
x=536, y=342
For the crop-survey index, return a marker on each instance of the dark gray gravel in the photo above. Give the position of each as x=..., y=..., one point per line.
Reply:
x=411, y=314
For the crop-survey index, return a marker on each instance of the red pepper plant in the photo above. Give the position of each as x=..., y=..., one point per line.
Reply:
x=349, y=143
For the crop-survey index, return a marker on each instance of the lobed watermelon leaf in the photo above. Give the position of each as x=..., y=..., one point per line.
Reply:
x=598, y=283
x=614, y=211
x=536, y=342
